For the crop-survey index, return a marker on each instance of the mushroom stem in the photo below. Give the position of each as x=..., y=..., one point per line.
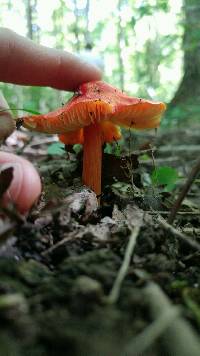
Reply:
x=92, y=157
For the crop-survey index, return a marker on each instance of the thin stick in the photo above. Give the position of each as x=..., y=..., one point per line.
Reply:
x=153, y=158
x=176, y=335
x=154, y=212
x=115, y=291
x=151, y=333
x=5, y=231
x=178, y=234
x=58, y=244
x=179, y=338
x=192, y=175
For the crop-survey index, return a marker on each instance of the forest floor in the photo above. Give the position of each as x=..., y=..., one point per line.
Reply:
x=117, y=280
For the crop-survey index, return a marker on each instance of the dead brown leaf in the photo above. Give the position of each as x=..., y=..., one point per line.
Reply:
x=6, y=176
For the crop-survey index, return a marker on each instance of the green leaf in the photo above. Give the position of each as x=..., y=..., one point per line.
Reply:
x=144, y=157
x=56, y=148
x=117, y=151
x=22, y=109
x=77, y=148
x=108, y=148
x=165, y=176
x=114, y=149
x=30, y=111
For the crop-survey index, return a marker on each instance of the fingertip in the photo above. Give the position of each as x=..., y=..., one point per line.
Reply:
x=25, y=187
x=27, y=63
x=72, y=71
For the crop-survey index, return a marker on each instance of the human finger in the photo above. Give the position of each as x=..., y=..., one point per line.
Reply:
x=25, y=187
x=24, y=62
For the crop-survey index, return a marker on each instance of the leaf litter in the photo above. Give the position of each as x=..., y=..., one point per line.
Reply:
x=59, y=268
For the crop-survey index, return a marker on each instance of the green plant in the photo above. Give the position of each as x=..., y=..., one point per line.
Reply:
x=22, y=109
x=56, y=148
x=165, y=178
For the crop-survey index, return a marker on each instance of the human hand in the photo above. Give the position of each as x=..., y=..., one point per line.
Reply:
x=26, y=63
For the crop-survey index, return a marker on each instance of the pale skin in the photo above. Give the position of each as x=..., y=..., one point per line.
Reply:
x=25, y=63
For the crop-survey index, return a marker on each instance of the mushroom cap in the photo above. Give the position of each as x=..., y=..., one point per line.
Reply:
x=98, y=102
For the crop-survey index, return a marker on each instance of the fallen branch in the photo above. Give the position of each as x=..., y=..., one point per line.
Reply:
x=175, y=334
x=179, y=149
x=192, y=175
x=58, y=244
x=179, y=338
x=162, y=212
x=115, y=291
x=159, y=161
x=146, y=338
x=178, y=234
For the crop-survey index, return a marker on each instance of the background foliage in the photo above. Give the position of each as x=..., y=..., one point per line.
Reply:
x=142, y=45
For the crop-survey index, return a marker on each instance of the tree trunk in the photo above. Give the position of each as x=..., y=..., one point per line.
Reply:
x=187, y=97
x=29, y=17
x=76, y=27
x=31, y=20
x=120, y=40
x=88, y=42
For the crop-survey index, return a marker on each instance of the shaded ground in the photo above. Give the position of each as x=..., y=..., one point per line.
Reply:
x=60, y=287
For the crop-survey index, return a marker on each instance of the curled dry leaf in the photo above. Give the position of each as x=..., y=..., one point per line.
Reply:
x=82, y=201
x=6, y=177
x=134, y=216
x=7, y=126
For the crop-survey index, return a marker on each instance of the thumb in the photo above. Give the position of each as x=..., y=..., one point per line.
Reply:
x=25, y=186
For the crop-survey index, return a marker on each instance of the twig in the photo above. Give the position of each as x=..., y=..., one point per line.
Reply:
x=146, y=338
x=21, y=149
x=6, y=230
x=13, y=214
x=153, y=159
x=44, y=141
x=192, y=175
x=159, y=161
x=58, y=244
x=163, y=212
x=178, y=234
x=39, y=152
x=179, y=338
x=179, y=149
x=115, y=291
x=142, y=152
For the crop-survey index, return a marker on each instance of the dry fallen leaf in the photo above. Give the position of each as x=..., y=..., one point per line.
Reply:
x=84, y=202
x=7, y=124
x=6, y=177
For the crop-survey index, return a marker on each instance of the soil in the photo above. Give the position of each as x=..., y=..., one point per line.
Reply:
x=72, y=284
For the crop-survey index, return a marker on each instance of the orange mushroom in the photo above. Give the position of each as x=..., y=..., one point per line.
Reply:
x=92, y=117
